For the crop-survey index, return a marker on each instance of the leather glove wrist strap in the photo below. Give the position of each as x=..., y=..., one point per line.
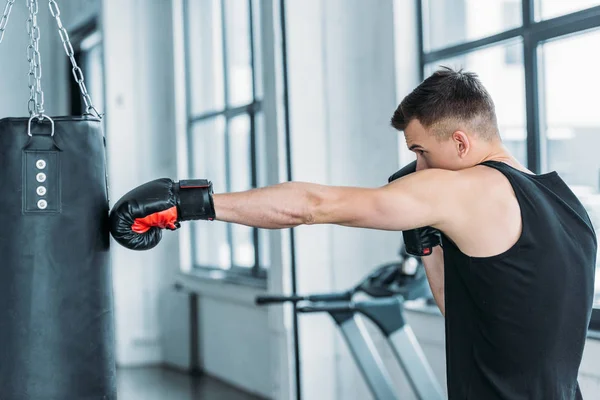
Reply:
x=195, y=200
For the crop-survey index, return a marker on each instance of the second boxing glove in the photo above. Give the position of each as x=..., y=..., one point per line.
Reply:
x=420, y=241
x=138, y=218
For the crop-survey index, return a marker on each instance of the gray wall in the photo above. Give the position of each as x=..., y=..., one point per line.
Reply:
x=14, y=92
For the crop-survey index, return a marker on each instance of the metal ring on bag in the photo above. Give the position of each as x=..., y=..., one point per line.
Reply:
x=40, y=117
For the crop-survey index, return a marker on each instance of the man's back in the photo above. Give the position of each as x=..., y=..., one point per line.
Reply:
x=516, y=319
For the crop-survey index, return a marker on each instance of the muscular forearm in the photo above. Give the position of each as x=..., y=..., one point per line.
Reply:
x=434, y=267
x=285, y=205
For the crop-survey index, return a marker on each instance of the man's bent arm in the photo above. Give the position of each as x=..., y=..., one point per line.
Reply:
x=434, y=268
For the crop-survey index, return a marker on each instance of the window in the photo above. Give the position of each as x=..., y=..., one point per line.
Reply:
x=511, y=13
x=534, y=57
x=571, y=124
x=225, y=130
x=554, y=8
x=451, y=22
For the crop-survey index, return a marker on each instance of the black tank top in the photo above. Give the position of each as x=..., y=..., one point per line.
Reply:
x=516, y=322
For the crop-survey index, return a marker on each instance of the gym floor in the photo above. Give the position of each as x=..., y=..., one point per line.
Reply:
x=160, y=384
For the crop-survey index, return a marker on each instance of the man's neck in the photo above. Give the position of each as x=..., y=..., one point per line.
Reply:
x=501, y=154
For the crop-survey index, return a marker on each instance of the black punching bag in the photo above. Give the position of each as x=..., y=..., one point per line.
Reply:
x=56, y=307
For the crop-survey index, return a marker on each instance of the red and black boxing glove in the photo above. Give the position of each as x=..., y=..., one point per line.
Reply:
x=420, y=241
x=138, y=218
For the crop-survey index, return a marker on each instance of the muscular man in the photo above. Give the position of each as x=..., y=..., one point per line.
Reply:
x=515, y=278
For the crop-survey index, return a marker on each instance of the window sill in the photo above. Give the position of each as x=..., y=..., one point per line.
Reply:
x=421, y=307
x=228, y=287
x=226, y=278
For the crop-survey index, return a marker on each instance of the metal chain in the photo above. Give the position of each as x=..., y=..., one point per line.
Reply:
x=5, y=16
x=36, y=97
x=77, y=73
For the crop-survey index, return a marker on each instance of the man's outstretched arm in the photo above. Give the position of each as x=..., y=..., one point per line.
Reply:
x=413, y=201
x=420, y=199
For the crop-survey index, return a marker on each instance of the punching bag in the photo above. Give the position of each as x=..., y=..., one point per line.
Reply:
x=56, y=306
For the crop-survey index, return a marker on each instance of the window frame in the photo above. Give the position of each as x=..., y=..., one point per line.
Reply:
x=227, y=112
x=533, y=34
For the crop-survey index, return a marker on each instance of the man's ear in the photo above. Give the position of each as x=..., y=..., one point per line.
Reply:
x=462, y=143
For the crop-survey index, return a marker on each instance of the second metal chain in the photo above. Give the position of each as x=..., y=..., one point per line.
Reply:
x=36, y=96
x=5, y=16
x=77, y=73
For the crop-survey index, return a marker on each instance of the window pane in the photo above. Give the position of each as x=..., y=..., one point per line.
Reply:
x=451, y=22
x=256, y=23
x=211, y=247
x=546, y=9
x=240, y=150
x=239, y=62
x=504, y=78
x=205, y=52
x=572, y=122
x=241, y=179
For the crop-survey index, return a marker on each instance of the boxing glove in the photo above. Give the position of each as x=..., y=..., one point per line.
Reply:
x=419, y=241
x=138, y=218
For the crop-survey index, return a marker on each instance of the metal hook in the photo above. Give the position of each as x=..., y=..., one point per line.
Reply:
x=40, y=118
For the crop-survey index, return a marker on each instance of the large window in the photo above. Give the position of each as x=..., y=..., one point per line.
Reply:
x=225, y=126
x=505, y=80
x=570, y=123
x=535, y=58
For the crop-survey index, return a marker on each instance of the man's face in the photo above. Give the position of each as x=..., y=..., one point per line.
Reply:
x=432, y=152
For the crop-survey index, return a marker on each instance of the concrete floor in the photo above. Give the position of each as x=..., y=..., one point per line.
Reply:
x=163, y=384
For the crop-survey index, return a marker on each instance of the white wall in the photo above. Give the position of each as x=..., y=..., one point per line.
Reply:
x=141, y=147
x=342, y=95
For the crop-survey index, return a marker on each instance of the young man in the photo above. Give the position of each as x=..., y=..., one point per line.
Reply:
x=514, y=276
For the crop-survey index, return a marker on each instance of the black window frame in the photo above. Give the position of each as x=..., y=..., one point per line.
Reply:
x=252, y=109
x=533, y=34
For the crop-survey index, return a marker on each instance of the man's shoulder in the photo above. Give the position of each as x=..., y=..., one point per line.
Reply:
x=484, y=217
x=482, y=179
x=478, y=188
x=469, y=181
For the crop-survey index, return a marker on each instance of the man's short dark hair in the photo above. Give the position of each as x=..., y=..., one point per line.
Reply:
x=446, y=100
